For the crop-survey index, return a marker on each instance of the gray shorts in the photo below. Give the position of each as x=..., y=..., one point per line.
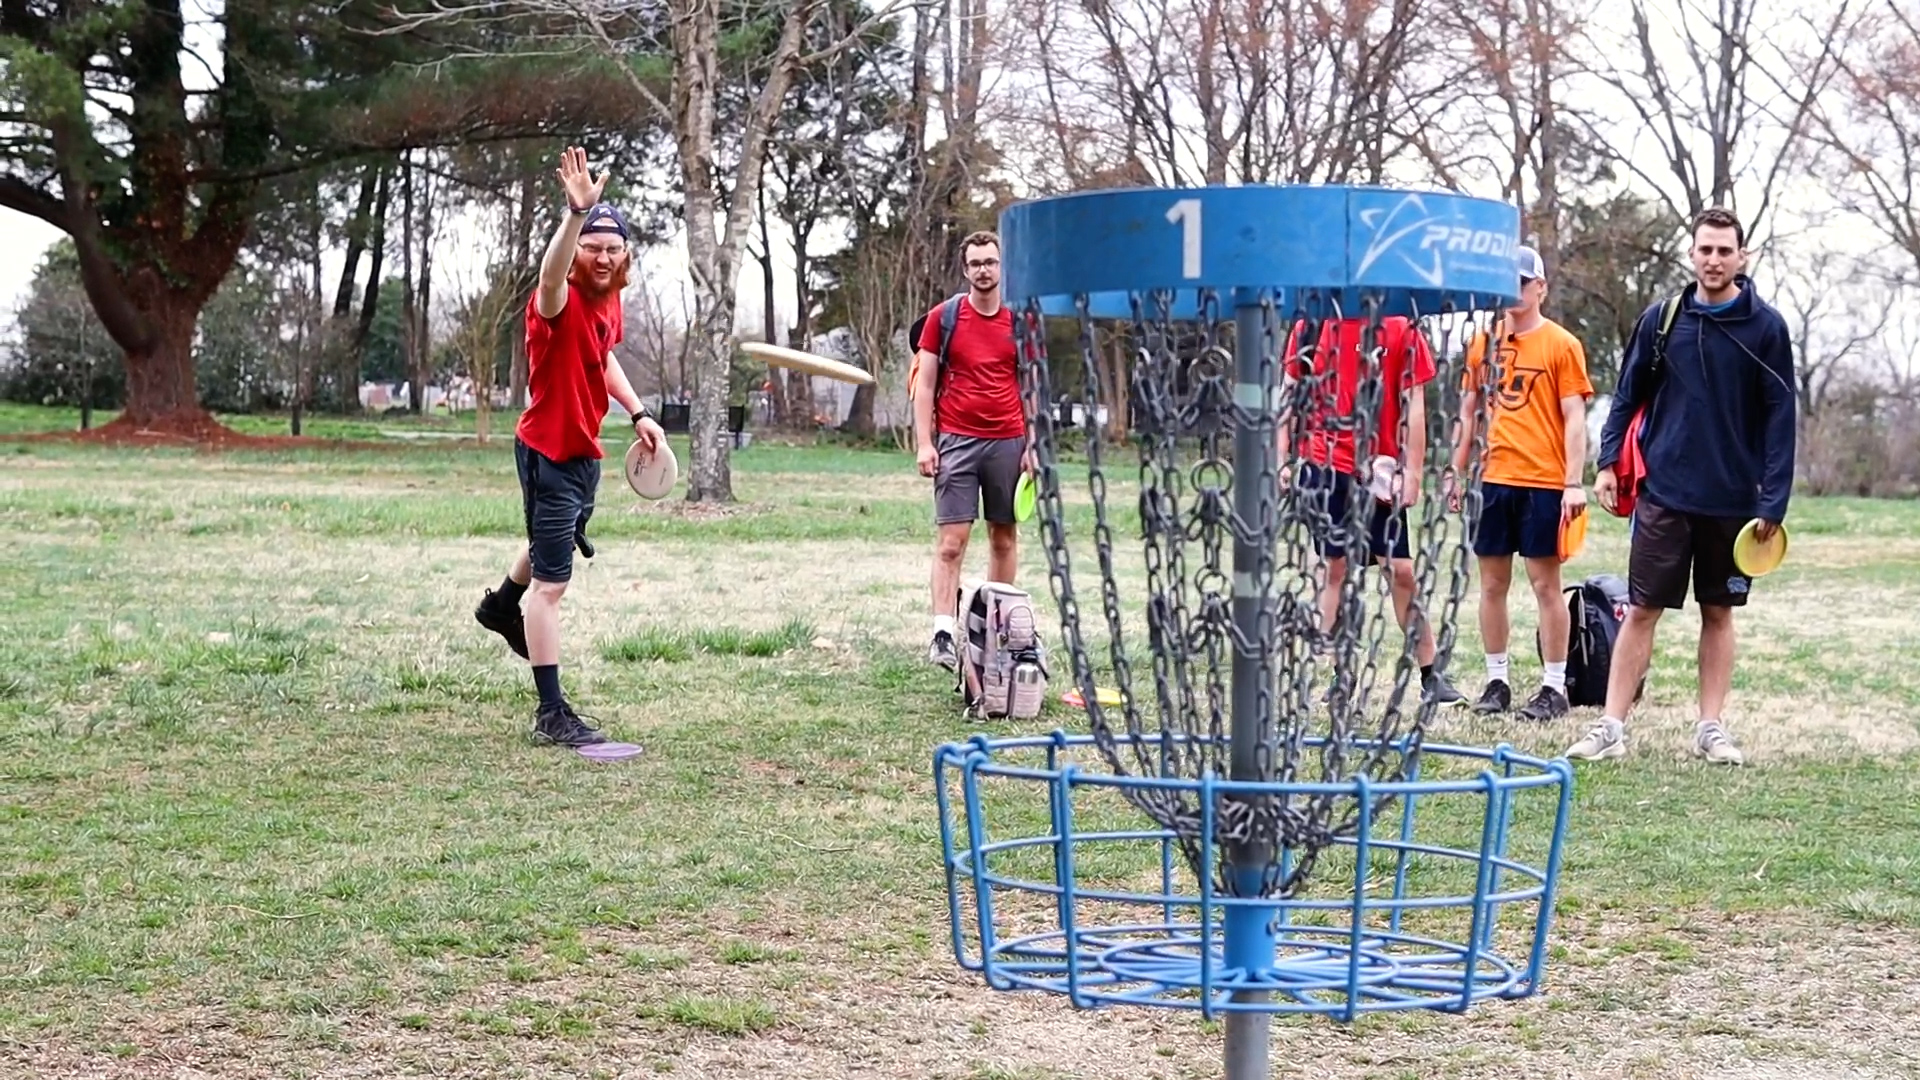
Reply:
x=976, y=475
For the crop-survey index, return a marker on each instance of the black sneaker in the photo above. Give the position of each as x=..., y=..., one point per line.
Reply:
x=941, y=651
x=504, y=619
x=1440, y=690
x=559, y=725
x=1496, y=697
x=1547, y=704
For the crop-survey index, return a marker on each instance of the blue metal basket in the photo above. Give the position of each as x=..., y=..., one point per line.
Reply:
x=1399, y=933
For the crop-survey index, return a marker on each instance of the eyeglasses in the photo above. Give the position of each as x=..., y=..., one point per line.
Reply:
x=982, y=264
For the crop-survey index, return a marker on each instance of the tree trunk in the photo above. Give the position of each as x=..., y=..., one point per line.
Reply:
x=713, y=256
x=523, y=232
x=161, y=395
x=423, y=304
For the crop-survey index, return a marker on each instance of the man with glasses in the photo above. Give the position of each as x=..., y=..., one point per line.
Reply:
x=972, y=434
x=573, y=321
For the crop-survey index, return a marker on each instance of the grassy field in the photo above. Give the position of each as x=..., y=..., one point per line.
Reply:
x=267, y=808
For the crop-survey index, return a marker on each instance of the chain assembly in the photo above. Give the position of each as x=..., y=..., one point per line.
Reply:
x=1258, y=513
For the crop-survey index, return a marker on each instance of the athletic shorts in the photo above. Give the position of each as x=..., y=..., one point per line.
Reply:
x=558, y=499
x=1519, y=521
x=1331, y=498
x=976, y=477
x=1667, y=545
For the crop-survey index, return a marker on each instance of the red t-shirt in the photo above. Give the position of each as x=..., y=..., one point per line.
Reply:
x=1334, y=397
x=979, y=395
x=567, y=359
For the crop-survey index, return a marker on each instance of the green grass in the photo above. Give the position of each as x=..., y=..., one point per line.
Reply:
x=261, y=773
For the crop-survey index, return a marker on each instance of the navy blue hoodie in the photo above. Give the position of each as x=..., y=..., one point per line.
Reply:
x=1719, y=437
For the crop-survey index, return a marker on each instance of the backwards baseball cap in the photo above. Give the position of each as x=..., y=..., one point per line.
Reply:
x=1531, y=268
x=603, y=218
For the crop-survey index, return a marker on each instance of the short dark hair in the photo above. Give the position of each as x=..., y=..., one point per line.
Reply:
x=1719, y=217
x=978, y=238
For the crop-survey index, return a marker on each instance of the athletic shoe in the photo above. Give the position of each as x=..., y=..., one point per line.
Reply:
x=1547, y=704
x=504, y=619
x=1710, y=741
x=1440, y=690
x=1602, y=741
x=1495, y=697
x=941, y=651
x=559, y=725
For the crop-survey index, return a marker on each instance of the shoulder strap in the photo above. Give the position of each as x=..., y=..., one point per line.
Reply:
x=1668, y=312
x=949, y=316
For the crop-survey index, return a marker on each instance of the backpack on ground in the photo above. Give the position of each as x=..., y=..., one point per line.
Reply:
x=949, y=315
x=1595, y=607
x=1003, y=671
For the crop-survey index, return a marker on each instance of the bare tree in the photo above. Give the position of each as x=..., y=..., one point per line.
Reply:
x=1185, y=92
x=1720, y=96
x=1870, y=124
x=1834, y=321
x=657, y=340
x=718, y=221
x=484, y=312
x=1516, y=56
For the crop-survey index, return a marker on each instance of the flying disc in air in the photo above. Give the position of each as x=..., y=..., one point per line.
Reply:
x=1023, y=496
x=1573, y=536
x=794, y=359
x=651, y=476
x=1755, y=558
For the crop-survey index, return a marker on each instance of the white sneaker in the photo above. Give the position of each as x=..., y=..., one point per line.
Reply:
x=1711, y=741
x=1603, y=740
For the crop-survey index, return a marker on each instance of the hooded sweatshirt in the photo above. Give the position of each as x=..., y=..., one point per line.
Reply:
x=1719, y=437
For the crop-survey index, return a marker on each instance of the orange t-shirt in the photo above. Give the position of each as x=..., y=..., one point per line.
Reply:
x=1527, y=436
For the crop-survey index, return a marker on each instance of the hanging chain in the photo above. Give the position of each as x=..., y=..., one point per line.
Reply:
x=1186, y=406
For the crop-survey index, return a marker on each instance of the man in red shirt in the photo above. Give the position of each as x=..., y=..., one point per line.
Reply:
x=1339, y=482
x=972, y=434
x=573, y=321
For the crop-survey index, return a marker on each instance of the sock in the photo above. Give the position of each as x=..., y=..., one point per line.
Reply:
x=511, y=591
x=1556, y=676
x=546, y=678
x=1617, y=727
x=943, y=622
x=1426, y=672
x=1497, y=667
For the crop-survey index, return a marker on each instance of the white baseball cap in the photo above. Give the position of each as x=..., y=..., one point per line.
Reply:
x=1529, y=262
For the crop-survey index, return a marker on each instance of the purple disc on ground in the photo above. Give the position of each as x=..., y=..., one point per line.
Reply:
x=609, y=751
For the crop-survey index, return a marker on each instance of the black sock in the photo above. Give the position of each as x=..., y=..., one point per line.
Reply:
x=1426, y=671
x=511, y=591
x=546, y=678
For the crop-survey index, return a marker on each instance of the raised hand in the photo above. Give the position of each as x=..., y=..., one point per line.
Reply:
x=578, y=182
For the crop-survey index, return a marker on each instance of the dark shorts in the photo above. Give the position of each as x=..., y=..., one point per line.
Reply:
x=1519, y=521
x=976, y=476
x=1331, y=498
x=1667, y=545
x=558, y=499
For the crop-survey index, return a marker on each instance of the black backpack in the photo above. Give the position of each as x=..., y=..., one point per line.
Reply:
x=1596, y=607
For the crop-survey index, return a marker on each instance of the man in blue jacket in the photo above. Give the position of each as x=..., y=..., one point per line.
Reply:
x=1717, y=442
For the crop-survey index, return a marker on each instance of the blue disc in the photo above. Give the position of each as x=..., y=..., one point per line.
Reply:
x=1413, y=252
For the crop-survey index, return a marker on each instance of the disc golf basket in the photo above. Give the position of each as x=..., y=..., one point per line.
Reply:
x=1261, y=825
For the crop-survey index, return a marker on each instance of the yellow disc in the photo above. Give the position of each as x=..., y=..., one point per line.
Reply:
x=1755, y=558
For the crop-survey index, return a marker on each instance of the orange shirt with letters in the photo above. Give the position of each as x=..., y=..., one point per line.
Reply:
x=1527, y=435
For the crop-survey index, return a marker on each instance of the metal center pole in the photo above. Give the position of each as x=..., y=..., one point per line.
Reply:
x=1249, y=943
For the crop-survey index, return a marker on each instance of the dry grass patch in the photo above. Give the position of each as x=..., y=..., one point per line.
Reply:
x=1689, y=995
